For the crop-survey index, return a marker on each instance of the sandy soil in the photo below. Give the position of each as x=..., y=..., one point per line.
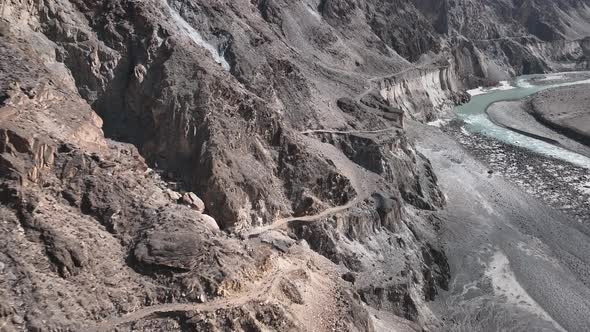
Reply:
x=566, y=109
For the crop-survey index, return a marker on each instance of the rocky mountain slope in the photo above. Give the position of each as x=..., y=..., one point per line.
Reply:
x=285, y=118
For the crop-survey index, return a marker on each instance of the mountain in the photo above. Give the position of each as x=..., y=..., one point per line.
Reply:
x=240, y=165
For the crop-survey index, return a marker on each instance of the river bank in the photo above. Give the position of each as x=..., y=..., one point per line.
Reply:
x=516, y=227
x=564, y=109
x=506, y=136
x=476, y=120
x=560, y=184
x=518, y=264
x=514, y=116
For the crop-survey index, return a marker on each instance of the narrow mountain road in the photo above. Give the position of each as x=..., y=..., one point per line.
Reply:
x=361, y=181
x=347, y=132
x=499, y=39
x=358, y=177
x=258, y=290
x=356, y=174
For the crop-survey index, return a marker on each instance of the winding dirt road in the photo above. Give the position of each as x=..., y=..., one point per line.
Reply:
x=360, y=180
x=329, y=131
x=257, y=291
x=356, y=174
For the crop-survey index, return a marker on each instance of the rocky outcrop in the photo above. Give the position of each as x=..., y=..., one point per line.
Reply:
x=423, y=93
x=193, y=201
x=95, y=232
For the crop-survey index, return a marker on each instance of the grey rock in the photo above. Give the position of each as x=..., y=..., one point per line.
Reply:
x=349, y=276
x=175, y=196
x=193, y=201
x=16, y=319
x=210, y=221
x=139, y=72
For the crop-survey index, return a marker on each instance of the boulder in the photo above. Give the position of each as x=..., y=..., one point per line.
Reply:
x=171, y=249
x=175, y=196
x=139, y=71
x=193, y=201
x=67, y=255
x=349, y=276
x=210, y=222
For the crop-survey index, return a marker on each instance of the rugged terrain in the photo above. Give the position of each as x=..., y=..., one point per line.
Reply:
x=240, y=165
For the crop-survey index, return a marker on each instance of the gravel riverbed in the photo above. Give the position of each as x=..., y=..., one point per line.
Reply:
x=564, y=186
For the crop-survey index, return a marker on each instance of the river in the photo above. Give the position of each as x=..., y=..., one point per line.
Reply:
x=515, y=228
x=477, y=121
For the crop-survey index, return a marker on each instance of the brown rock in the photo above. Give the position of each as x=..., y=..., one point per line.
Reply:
x=175, y=196
x=193, y=201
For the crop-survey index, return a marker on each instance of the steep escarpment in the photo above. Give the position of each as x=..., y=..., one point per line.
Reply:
x=475, y=42
x=424, y=92
x=520, y=37
x=526, y=55
x=233, y=114
x=489, y=40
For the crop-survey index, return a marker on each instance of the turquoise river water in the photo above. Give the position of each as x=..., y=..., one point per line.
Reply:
x=477, y=121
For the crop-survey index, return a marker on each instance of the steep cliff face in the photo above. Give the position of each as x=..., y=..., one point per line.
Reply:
x=545, y=20
x=526, y=55
x=490, y=40
x=482, y=42
x=424, y=93
x=519, y=37
x=241, y=103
